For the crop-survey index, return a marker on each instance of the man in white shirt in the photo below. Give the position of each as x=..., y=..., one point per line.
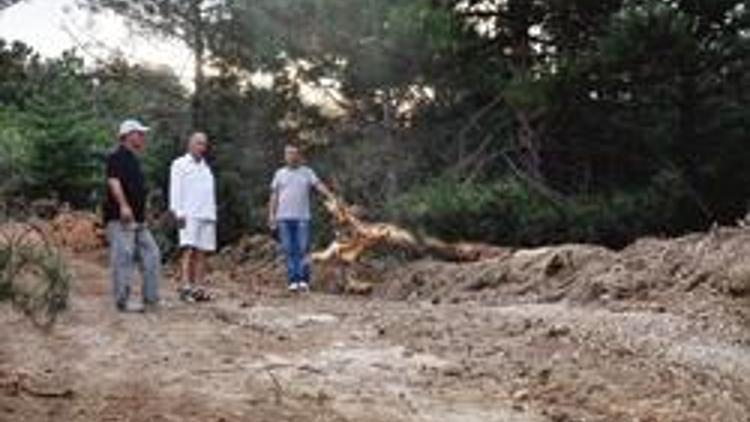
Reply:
x=289, y=213
x=192, y=201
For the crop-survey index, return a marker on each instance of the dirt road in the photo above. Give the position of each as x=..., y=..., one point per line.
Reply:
x=273, y=357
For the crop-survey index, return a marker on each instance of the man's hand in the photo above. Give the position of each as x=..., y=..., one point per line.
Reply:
x=115, y=187
x=273, y=204
x=323, y=189
x=126, y=214
x=180, y=221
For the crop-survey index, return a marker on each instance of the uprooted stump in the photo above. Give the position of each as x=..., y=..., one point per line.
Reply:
x=346, y=269
x=355, y=237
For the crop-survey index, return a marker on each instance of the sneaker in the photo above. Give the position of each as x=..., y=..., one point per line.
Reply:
x=304, y=287
x=122, y=306
x=201, y=295
x=293, y=287
x=130, y=308
x=186, y=294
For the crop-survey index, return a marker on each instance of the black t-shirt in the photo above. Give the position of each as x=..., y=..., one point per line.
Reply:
x=124, y=166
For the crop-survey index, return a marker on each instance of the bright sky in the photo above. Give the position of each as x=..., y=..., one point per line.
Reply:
x=52, y=26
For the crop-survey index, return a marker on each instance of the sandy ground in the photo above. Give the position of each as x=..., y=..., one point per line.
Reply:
x=275, y=357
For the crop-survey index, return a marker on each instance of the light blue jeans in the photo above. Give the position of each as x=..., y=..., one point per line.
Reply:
x=295, y=241
x=131, y=245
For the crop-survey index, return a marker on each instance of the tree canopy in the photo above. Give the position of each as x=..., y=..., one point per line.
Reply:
x=511, y=121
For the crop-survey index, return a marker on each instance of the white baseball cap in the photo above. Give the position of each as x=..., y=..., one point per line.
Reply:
x=131, y=125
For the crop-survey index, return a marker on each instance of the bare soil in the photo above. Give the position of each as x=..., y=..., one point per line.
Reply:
x=657, y=332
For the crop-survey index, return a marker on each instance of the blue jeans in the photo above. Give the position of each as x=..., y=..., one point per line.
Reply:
x=295, y=240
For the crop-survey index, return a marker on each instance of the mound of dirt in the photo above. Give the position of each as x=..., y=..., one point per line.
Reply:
x=253, y=261
x=706, y=268
x=73, y=231
x=77, y=231
x=695, y=273
x=655, y=332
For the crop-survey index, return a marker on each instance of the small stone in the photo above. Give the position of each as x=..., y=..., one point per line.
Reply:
x=323, y=397
x=558, y=331
x=521, y=395
x=454, y=371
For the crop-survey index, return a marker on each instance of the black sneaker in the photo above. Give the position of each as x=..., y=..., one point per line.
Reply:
x=122, y=306
x=186, y=294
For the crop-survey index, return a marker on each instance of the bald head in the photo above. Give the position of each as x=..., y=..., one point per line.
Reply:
x=198, y=145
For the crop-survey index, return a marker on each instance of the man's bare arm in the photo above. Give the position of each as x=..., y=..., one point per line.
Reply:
x=323, y=189
x=126, y=213
x=273, y=205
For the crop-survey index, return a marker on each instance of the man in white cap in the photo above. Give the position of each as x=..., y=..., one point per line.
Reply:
x=124, y=214
x=192, y=200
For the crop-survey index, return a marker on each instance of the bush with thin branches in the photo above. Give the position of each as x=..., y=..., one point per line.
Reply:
x=34, y=276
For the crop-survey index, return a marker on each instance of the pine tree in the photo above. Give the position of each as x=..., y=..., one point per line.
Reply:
x=66, y=137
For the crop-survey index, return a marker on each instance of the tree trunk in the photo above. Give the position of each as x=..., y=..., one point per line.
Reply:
x=522, y=63
x=530, y=158
x=199, y=53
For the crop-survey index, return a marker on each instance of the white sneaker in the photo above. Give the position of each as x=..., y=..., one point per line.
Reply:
x=131, y=307
x=304, y=287
x=293, y=287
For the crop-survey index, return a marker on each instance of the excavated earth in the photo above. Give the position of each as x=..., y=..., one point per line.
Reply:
x=659, y=331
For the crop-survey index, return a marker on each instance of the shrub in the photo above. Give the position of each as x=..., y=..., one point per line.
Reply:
x=33, y=276
x=508, y=212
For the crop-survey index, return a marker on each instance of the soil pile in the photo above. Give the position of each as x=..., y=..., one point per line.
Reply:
x=705, y=271
x=657, y=332
x=77, y=231
x=72, y=231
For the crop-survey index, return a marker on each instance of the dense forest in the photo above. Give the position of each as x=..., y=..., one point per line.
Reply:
x=518, y=122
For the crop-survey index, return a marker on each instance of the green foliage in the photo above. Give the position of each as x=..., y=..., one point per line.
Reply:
x=16, y=62
x=510, y=213
x=513, y=121
x=65, y=135
x=50, y=133
x=15, y=152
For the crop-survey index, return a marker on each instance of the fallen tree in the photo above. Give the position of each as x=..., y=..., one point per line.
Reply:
x=343, y=262
x=354, y=237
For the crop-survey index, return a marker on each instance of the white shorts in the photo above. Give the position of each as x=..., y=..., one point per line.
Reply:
x=198, y=234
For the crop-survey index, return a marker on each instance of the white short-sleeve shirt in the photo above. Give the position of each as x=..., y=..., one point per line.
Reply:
x=293, y=187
